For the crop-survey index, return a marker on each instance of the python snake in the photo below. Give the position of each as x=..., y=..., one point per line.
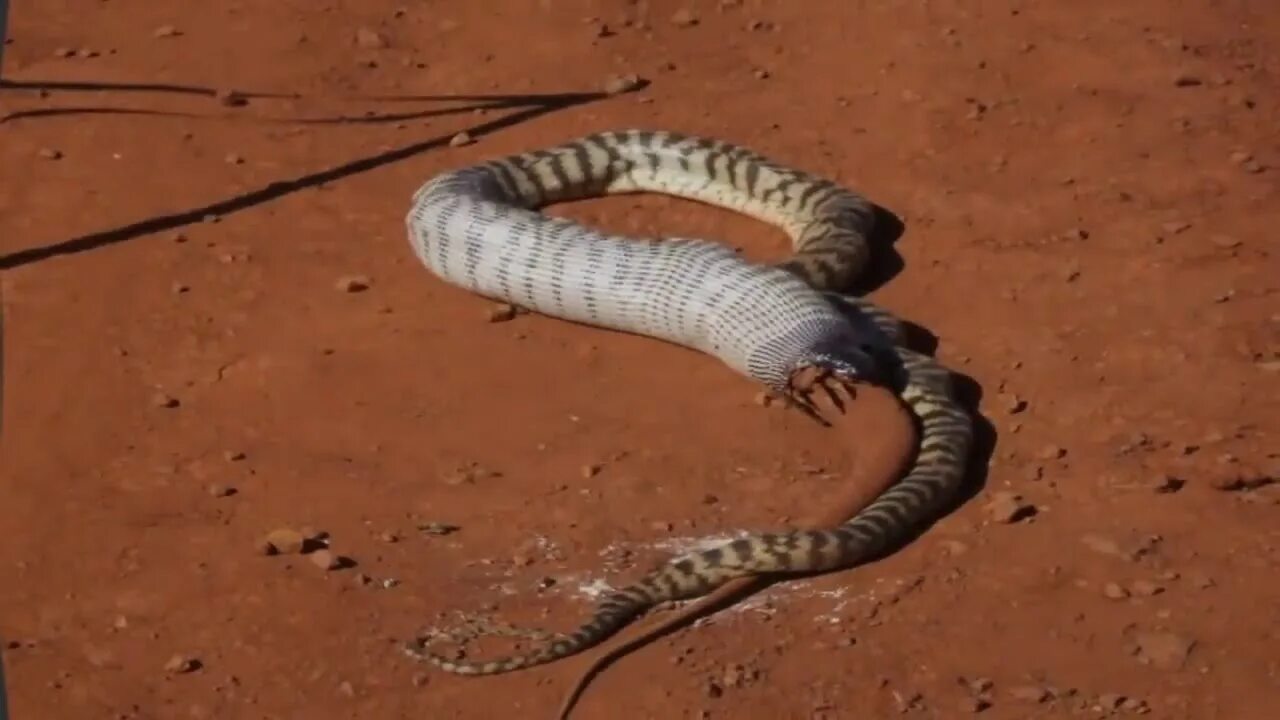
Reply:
x=786, y=325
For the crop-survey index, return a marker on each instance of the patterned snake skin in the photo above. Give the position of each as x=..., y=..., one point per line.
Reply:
x=478, y=228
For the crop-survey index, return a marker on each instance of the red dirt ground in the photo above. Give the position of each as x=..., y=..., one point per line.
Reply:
x=1089, y=193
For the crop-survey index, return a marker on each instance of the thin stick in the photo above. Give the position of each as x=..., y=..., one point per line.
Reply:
x=885, y=466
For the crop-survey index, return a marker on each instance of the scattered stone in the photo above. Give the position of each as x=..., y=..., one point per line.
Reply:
x=283, y=541
x=370, y=39
x=1201, y=581
x=346, y=688
x=1237, y=482
x=684, y=17
x=86, y=53
x=234, y=159
x=166, y=31
x=1110, y=701
x=389, y=536
x=1176, y=227
x=1052, y=452
x=502, y=312
x=1030, y=693
x=1145, y=588
x=352, y=283
x=64, y=52
x=1163, y=650
x=233, y=455
x=1114, y=591
x=219, y=490
x=1012, y=404
x=461, y=139
x=619, y=84
x=179, y=288
x=230, y=98
x=981, y=685
x=49, y=154
x=1008, y=507
x=326, y=560
x=438, y=528
x=974, y=704
x=590, y=471
x=1135, y=706
x=164, y=400
x=1105, y=546
x=764, y=398
x=1165, y=484
x=181, y=665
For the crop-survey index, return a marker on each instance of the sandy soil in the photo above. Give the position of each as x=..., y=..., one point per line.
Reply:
x=1089, y=194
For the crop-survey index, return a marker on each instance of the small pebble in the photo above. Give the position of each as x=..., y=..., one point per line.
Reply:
x=1145, y=588
x=220, y=491
x=233, y=455
x=282, y=541
x=164, y=400
x=1163, y=650
x=684, y=17
x=352, y=283
x=370, y=39
x=325, y=560
x=1052, y=452
x=181, y=665
x=1030, y=693
x=1110, y=701
x=230, y=98
x=1008, y=507
x=49, y=154
x=438, y=528
x=590, y=471
x=502, y=312
x=1012, y=404
x=1114, y=591
x=619, y=84
x=165, y=31
x=461, y=139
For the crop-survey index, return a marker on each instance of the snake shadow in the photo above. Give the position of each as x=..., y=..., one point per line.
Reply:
x=530, y=107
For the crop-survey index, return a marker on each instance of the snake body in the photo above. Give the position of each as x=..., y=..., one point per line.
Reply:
x=479, y=228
